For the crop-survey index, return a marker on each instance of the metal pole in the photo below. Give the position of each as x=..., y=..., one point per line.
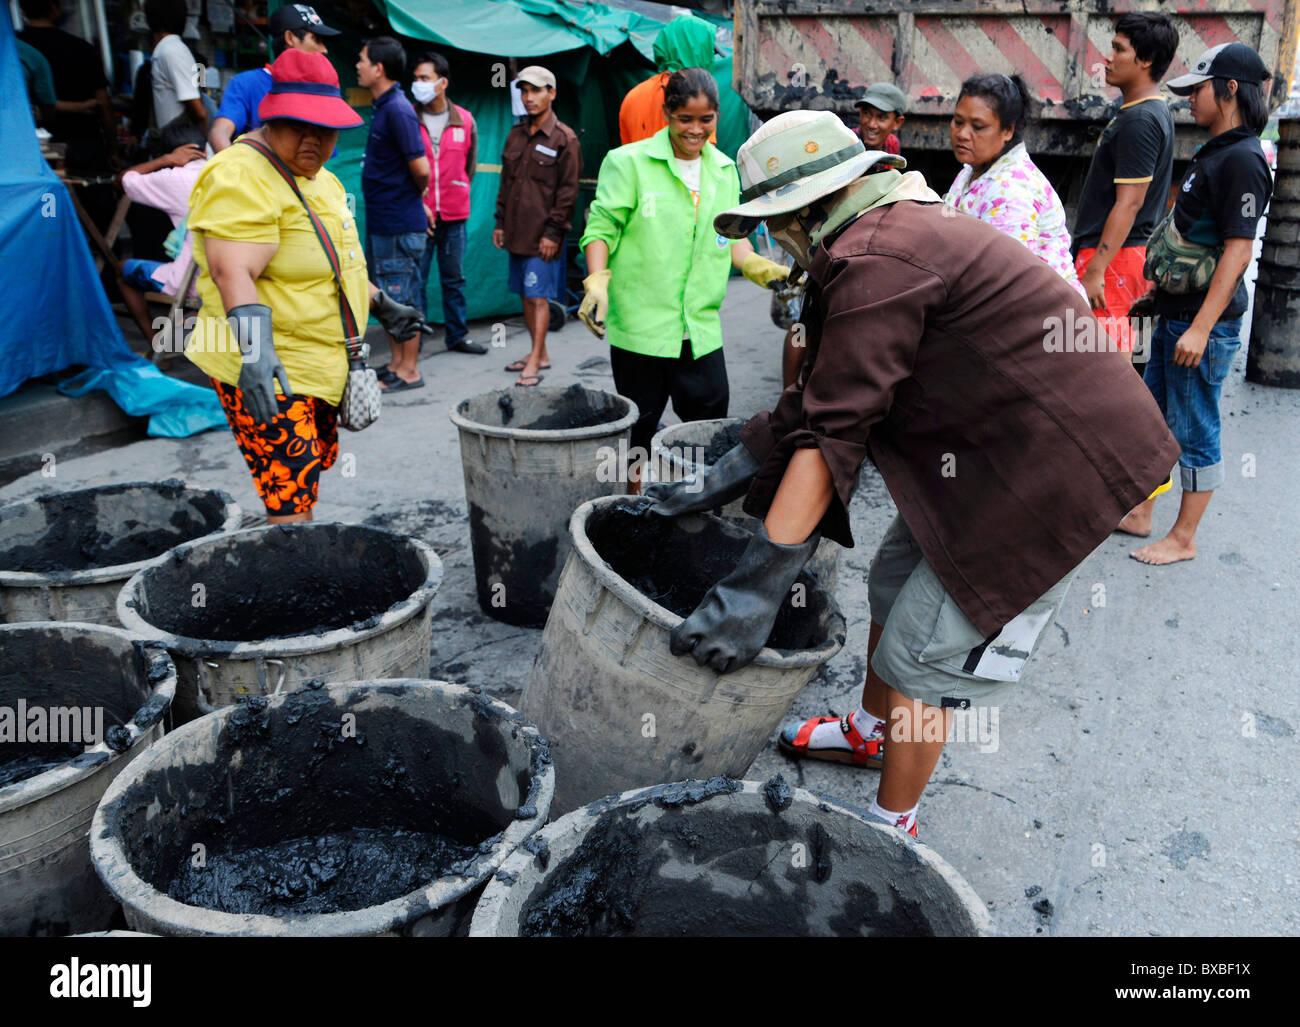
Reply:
x=105, y=44
x=1274, y=354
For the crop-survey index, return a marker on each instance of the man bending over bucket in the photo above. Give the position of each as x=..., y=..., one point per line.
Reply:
x=932, y=351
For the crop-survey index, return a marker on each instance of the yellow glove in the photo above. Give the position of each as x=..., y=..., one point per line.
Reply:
x=761, y=271
x=595, y=304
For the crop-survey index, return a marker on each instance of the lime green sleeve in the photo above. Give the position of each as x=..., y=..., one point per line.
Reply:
x=614, y=203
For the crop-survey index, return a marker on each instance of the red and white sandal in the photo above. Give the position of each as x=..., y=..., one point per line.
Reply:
x=868, y=751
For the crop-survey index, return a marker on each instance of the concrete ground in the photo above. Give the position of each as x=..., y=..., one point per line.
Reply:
x=1142, y=779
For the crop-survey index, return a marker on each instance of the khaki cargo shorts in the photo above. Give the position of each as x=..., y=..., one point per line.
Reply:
x=929, y=649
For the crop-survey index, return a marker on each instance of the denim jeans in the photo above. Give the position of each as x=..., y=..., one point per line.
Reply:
x=1189, y=397
x=394, y=262
x=449, y=243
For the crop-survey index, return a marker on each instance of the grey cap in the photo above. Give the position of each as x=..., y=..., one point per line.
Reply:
x=884, y=96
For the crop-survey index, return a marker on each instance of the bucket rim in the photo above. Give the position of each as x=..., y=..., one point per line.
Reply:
x=292, y=645
x=659, y=442
x=593, y=431
x=520, y=867
x=119, y=876
x=159, y=668
x=661, y=617
x=233, y=517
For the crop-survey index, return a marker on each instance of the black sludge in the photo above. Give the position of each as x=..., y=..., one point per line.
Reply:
x=281, y=584
x=111, y=526
x=675, y=567
x=308, y=808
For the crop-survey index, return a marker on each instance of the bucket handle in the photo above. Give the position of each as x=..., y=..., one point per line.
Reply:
x=200, y=678
x=279, y=683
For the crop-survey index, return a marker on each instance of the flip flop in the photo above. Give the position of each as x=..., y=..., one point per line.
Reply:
x=402, y=385
x=519, y=365
x=522, y=384
x=386, y=375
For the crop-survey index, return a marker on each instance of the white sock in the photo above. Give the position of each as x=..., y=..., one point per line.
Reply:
x=903, y=821
x=829, y=735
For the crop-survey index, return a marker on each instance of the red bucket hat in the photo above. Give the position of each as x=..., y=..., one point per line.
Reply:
x=305, y=87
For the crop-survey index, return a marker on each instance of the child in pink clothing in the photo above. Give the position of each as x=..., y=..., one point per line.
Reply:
x=999, y=183
x=164, y=183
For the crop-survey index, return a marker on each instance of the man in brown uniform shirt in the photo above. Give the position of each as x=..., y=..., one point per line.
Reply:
x=949, y=355
x=540, y=165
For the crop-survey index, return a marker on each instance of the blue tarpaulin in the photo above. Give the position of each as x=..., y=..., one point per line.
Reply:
x=56, y=314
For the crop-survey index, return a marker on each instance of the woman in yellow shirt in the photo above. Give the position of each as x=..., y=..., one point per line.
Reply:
x=271, y=310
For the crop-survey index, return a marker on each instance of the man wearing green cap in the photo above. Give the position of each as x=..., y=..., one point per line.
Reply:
x=881, y=113
x=934, y=350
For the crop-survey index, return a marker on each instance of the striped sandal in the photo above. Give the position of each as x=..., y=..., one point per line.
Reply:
x=866, y=752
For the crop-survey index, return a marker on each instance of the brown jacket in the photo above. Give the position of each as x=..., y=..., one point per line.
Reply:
x=538, y=188
x=932, y=350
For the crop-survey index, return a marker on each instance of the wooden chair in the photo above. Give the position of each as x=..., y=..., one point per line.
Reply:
x=178, y=306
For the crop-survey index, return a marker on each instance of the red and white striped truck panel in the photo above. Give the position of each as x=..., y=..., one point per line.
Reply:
x=821, y=55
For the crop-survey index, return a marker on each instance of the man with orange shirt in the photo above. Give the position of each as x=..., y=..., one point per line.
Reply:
x=685, y=42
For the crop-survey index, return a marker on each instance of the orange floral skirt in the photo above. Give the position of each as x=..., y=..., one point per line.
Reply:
x=286, y=456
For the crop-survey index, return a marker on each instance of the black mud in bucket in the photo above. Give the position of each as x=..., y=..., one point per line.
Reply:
x=678, y=450
x=77, y=703
x=355, y=808
x=725, y=858
x=530, y=457
x=266, y=610
x=619, y=708
x=65, y=556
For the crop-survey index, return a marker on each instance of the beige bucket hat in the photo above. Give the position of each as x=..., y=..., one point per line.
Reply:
x=794, y=159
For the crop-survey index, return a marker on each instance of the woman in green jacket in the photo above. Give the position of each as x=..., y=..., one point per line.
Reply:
x=657, y=270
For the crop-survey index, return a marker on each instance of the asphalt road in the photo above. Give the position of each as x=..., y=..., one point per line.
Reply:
x=1141, y=778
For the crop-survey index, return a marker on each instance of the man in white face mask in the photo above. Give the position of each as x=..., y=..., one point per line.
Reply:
x=451, y=144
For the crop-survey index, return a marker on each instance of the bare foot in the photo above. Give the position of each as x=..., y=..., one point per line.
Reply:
x=1134, y=523
x=1167, y=550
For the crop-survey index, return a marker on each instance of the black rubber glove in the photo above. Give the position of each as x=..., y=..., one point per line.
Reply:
x=713, y=486
x=398, y=320
x=260, y=368
x=734, y=618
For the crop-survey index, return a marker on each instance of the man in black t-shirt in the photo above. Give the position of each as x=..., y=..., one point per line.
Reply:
x=1125, y=192
x=1219, y=205
x=83, y=115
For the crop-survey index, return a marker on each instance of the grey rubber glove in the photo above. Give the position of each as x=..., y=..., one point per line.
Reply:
x=398, y=320
x=713, y=486
x=734, y=618
x=260, y=368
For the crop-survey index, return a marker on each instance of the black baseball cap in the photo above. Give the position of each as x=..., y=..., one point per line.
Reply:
x=1227, y=60
x=298, y=18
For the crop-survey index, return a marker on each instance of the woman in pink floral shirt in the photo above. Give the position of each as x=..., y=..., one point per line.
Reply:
x=998, y=183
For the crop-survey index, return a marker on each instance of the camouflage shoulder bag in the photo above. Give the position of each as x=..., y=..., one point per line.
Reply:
x=1175, y=263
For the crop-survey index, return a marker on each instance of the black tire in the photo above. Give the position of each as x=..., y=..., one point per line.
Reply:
x=558, y=315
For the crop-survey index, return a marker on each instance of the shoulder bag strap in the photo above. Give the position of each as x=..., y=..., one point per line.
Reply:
x=350, y=331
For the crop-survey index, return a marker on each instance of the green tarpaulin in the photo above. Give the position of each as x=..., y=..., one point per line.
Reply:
x=597, y=54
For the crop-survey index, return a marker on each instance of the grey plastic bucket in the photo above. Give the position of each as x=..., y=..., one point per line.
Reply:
x=724, y=858
x=523, y=483
x=420, y=756
x=47, y=884
x=268, y=609
x=619, y=709
x=677, y=450
x=65, y=556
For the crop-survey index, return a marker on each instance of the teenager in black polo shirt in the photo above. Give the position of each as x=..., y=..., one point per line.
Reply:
x=1127, y=186
x=1197, y=334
